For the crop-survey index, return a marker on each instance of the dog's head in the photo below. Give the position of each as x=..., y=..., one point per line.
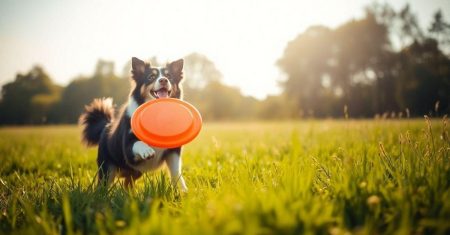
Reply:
x=156, y=82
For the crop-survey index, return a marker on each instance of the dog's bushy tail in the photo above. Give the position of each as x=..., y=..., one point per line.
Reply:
x=96, y=116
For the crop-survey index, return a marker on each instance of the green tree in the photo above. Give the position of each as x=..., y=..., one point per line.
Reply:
x=356, y=65
x=82, y=90
x=425, y=78
x=28, y=99
x=203, y=88
x=306, y=61
x=277, y=107
x=326, y=66
x=200, y=70
x=440, y=30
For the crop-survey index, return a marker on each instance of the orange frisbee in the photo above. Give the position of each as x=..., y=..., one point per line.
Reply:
x=166, y=123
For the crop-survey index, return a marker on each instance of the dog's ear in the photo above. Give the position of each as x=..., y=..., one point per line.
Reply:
x=176, y=69
x=138, y=68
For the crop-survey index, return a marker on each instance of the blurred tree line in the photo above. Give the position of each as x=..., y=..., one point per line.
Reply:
x=382, y=63
x=33, y=98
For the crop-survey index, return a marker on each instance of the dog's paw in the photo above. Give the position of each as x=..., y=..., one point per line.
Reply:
x=143, y=151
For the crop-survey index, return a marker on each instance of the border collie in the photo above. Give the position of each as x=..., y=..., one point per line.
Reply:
x=120, y=153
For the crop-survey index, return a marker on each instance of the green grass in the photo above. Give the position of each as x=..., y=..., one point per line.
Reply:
x=312, y=177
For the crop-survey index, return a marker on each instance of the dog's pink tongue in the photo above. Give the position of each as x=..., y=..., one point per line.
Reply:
x=162, y=93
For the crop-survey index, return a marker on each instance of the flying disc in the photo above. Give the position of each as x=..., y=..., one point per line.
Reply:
x=166, y=123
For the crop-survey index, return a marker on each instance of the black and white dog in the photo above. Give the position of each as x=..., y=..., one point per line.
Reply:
x=120, y=153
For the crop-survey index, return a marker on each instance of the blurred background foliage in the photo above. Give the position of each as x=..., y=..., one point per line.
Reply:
x=384, y=63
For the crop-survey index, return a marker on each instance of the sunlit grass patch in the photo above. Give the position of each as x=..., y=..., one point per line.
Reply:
x=326, y=177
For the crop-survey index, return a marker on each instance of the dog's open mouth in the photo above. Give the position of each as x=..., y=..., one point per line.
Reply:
x=161, y=93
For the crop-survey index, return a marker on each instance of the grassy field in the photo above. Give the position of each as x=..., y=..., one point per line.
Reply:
x=311, y=177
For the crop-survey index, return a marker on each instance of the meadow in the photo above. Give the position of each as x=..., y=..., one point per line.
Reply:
x=301, y=177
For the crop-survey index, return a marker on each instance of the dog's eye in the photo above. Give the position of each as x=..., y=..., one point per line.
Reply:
x=153, y=74
x=151, y=77
x=165, y=73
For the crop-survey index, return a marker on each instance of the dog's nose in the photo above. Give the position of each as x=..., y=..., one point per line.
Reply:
x=163, y=81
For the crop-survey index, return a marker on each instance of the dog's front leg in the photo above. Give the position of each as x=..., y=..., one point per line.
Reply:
x=137, y=150
x=141, y=151
x=173, y=161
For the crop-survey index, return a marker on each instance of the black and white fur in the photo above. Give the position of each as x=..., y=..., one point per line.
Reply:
x=120, y=153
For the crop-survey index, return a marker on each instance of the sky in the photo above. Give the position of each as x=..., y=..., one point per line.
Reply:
x=244, y=38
